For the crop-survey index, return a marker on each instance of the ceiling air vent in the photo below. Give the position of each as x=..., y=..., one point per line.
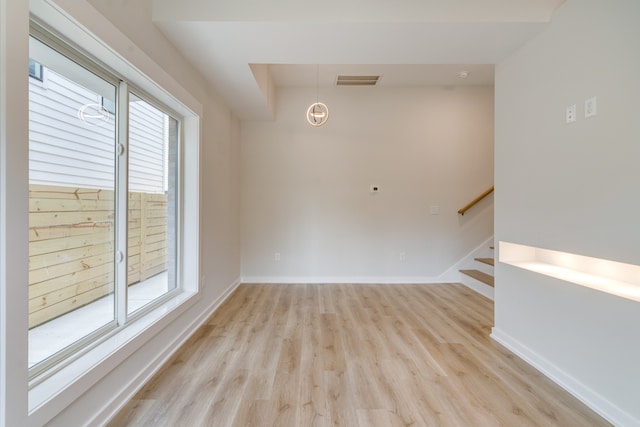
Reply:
x=357, y=80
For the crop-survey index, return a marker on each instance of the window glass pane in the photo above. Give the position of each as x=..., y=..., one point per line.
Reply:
x=153, y=148
x=71, y=204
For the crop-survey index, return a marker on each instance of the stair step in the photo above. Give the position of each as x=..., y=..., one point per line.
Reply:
x=488, y=261
x=485, y=278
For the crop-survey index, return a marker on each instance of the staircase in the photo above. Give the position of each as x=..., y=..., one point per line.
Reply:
x=479, y=275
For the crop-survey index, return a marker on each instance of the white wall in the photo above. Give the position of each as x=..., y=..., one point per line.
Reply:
x=573, y=188
x=305, y=191
x=107, y=386
x=14, y=136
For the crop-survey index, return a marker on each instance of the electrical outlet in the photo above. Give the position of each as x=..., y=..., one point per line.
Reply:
x=571, y=113
x=403, y=256
x=590, y=107
x=276, y=256
x=374, y=189
x=435, y=210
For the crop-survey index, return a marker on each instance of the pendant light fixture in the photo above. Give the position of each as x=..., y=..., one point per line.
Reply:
x=317, y=113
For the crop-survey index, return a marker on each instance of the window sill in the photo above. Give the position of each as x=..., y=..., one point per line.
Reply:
x=54, y=393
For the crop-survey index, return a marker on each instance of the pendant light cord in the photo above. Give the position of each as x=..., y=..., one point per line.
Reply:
x=317, y=82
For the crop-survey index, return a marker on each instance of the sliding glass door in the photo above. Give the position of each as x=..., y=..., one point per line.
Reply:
x=104, y=162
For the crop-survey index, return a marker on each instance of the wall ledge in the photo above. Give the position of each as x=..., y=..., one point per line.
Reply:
x=611, y=277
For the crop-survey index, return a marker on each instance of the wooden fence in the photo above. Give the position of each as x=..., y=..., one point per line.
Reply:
x=71, y=246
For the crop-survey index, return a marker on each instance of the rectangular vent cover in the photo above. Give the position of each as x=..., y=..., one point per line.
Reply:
x=357, y=80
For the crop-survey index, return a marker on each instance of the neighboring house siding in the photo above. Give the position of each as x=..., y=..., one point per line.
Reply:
x=148, y=128
x=66, y=151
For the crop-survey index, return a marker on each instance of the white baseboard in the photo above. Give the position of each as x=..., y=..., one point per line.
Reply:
x=451, y=275
x=589, y=397
x=398, y=280
x=117, y=402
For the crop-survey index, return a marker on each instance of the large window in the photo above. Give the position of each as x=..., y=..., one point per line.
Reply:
x=104, y=163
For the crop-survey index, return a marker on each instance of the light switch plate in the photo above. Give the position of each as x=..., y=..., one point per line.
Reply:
x=590, y=107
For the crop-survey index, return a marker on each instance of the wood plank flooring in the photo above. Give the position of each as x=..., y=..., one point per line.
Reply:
x=353, y=356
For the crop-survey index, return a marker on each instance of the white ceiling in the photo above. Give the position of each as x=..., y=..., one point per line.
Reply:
x=298, y=75
x=412, y=42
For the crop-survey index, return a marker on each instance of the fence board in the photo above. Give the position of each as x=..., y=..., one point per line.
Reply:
x=40, y=302
x=160, y=229
x=158, y=246
x=152, y=271
x=154, y=222
x=133, y=278
x=71, y=267
x=157, y=213
x=56, y=192
x=55, y=232
x=71, y=245
x=68, y=205
x=40, y=219
x=155, y=238
x=69, y=280
x=64, y=243
x=52, y=259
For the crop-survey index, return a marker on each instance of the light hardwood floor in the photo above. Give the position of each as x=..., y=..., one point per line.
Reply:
x=353, y=356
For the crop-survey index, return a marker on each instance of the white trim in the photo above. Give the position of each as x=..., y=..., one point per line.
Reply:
x=121, y=190
x=117, y=402
x=452, y=274
x=612, y=413
x=392, y=280
x=14, y=224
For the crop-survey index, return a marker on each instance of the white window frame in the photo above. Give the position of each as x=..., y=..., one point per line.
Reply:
x=51, y=395
x=49, y=366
